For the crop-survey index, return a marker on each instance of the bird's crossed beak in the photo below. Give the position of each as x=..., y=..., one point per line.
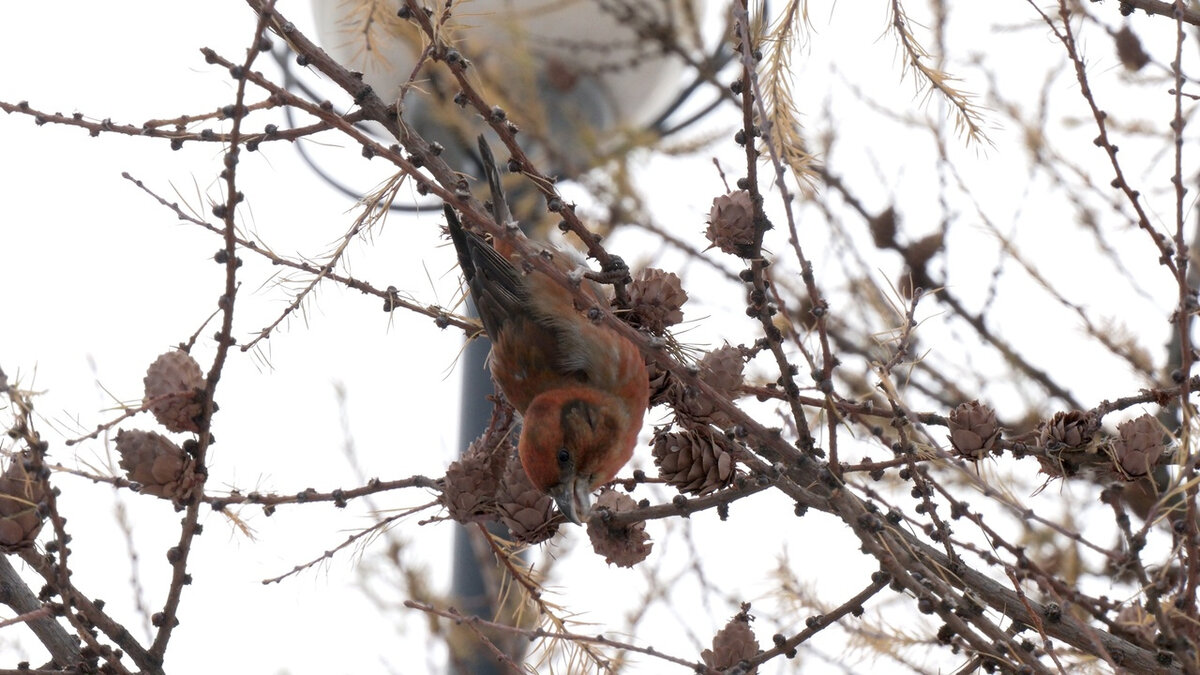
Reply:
x=574, y=498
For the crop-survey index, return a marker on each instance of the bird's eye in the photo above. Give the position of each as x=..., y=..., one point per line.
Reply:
x=564, y=456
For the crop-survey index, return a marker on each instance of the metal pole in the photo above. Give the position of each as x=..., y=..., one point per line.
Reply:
x=468, y=588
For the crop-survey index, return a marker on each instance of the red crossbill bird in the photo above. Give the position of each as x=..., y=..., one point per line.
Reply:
x=580, y=387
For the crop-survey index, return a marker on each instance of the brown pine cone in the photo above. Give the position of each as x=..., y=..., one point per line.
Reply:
x=20, y=493
x=469, y=491
x=732, y=644
x=655, y=299
x=1072, y=429
x=1139, y=445
x=883, y=228
x=175, y=383
x=160, y=467
x=696, y=462
x=731, y=223
x=1129, y=50
x=625, y=545
x=1067, y=439
x=528, y=512
x=721, y=369
x=973, y=430
x=661, y=383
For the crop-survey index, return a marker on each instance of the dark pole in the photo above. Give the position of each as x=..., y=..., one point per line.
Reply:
x=468, y=586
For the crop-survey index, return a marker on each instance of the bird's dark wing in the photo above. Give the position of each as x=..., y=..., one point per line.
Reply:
x=496, y=286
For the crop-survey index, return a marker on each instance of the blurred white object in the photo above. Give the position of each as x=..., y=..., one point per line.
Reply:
x=563, y=69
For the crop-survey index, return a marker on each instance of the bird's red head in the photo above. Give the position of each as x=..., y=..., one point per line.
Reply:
x=574, y=440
